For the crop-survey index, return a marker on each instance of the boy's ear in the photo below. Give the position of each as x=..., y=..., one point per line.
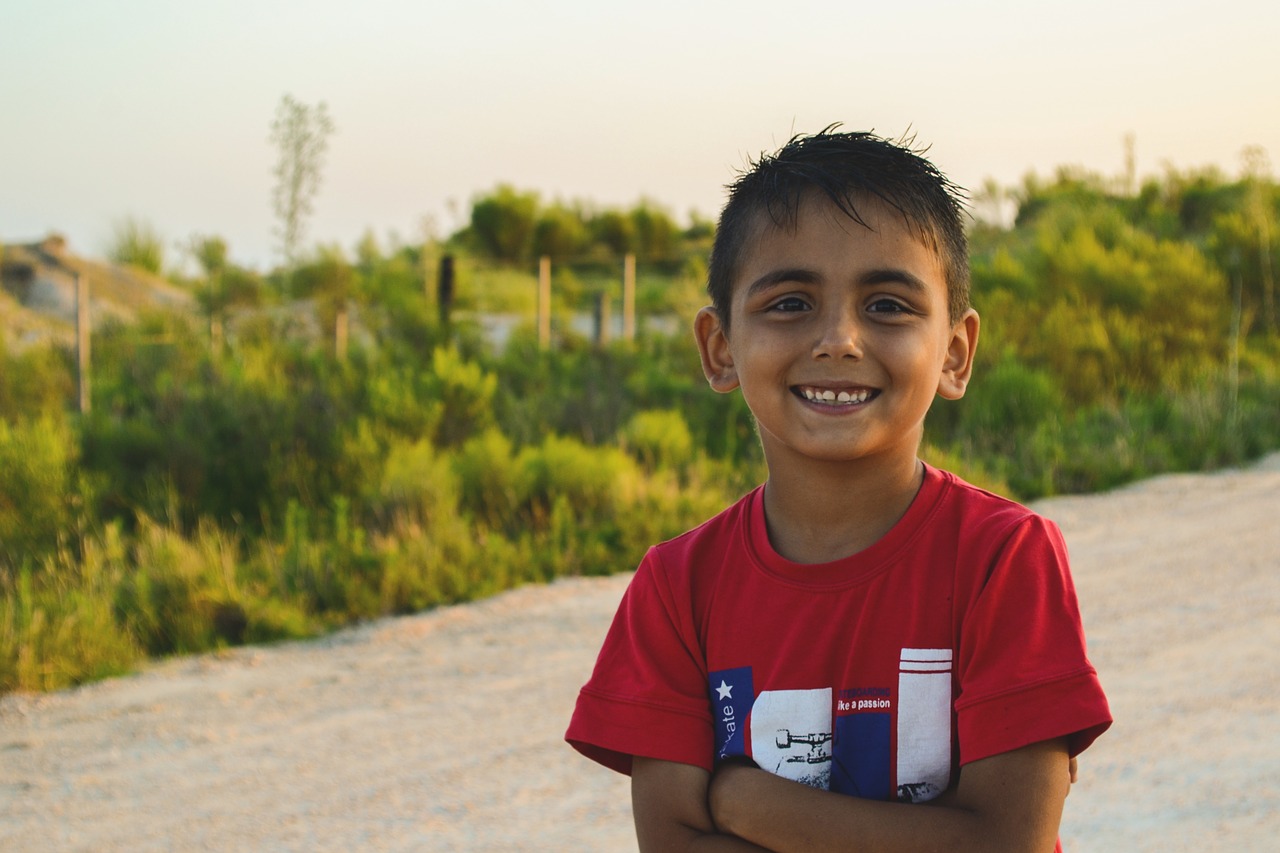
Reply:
x=958, y=366
x=713, y=347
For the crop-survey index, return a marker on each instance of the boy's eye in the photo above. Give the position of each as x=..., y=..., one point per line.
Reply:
x=789, y=304
x=887, y=306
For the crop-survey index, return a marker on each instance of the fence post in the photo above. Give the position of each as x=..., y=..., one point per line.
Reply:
x=82, y=340
x=629, y=297
x=544, y=301
x=603, y=318
x=444, y=289
x=341, y=330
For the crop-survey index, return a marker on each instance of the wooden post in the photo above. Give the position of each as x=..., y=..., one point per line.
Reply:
x=217, y=305
x=1233, y=357
x=341, y=327
x=544, y=301
x=444, y=289
x=82, y=339
x=603, y=318
x=629, y=297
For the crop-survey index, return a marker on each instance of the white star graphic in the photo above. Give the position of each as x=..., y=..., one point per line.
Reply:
x=725, y=690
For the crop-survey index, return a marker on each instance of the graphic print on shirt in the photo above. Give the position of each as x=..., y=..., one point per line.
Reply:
x=924, y=724
x=870, y=742
x=791, y=735
x=732, y=695
x=863, y=754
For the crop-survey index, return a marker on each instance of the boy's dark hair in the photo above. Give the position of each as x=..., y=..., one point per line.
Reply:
x=843, y=166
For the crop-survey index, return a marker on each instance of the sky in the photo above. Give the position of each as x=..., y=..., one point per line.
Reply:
x=160, y=111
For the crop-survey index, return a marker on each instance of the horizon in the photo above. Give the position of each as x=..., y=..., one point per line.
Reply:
x=162, y=113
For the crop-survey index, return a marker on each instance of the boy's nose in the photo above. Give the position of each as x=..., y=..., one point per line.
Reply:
x=840, y=337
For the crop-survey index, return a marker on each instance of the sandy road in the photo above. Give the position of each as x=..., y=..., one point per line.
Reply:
x=443, y=731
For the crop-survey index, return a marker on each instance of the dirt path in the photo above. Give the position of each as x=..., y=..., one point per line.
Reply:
x=443, y=731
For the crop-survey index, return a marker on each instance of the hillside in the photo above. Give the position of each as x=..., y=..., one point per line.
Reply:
x=38, y=291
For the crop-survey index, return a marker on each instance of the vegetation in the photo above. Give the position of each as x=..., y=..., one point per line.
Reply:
x=301, y=133
x=135, y=242
x=259, y=484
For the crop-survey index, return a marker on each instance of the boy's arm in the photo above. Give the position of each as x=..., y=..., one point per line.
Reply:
x=669, y=802
x=1012, y=801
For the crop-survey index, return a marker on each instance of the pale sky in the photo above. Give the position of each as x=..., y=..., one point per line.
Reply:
x=161, y=110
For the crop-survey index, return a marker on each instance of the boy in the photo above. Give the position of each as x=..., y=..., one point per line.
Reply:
x=862, y=623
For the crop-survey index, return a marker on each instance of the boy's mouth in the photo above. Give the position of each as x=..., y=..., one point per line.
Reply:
x=832, y=397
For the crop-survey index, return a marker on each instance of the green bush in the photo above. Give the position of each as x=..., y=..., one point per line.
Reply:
x=659, y=439
x=39, y=494
x=182, y=596
x=491, y=487
x=58, y=625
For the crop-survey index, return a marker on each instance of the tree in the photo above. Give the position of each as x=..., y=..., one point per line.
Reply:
x=301, y=133
x=559, y=232
x=615, y=230
x=655, y=231
x=503, y=222
x=136, y=243
x=225, y=285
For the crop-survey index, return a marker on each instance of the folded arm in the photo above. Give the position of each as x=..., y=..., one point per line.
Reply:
x=1011, y=801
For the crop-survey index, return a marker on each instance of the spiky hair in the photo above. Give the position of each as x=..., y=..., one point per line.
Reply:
x=845, y=167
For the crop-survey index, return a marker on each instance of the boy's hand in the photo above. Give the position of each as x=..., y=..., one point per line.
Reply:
x=670, y=805
x=1011, y=801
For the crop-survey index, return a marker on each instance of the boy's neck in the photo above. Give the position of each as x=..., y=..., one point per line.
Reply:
x=817, y=516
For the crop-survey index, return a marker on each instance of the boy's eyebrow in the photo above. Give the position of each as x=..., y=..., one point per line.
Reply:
x=799, y=275
x=892, y=275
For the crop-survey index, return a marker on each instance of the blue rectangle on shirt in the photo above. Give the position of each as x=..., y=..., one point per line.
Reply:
x=732, y=695
x=861, y=756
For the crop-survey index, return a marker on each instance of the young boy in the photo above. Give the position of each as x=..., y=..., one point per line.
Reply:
x=864, y=624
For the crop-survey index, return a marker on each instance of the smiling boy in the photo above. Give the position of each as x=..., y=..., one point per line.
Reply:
x=865, y=652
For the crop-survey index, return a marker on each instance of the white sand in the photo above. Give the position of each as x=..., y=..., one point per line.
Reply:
x=443, y=731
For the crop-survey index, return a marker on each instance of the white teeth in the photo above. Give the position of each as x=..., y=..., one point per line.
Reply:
x=828, y=396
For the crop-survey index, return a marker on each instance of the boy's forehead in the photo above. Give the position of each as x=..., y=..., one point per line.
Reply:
x=874, y=216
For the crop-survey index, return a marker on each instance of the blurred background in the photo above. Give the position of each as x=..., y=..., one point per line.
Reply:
x=161, y=111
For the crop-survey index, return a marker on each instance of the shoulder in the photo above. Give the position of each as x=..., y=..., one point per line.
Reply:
x=977, y=522
x=962, y=500
x=683, y=573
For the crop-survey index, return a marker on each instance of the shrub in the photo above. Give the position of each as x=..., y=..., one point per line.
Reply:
x=182, y=596
x=659, y=438
x=57, y=625
x=491, y=488
x=38, y=489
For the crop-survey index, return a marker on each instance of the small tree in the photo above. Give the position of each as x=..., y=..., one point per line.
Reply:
x=503, y=222
x=136, y=243
x=301, y=133
x=225, y=285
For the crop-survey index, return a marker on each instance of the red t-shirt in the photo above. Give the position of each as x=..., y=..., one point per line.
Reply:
x=955, y=637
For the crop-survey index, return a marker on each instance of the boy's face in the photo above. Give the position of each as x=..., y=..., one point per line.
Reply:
x=839, y=336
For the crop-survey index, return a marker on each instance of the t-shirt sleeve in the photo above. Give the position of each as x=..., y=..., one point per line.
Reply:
x=648, y=692
x=1022, y=665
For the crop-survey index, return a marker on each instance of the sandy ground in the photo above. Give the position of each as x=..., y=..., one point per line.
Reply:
x=443, y=731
